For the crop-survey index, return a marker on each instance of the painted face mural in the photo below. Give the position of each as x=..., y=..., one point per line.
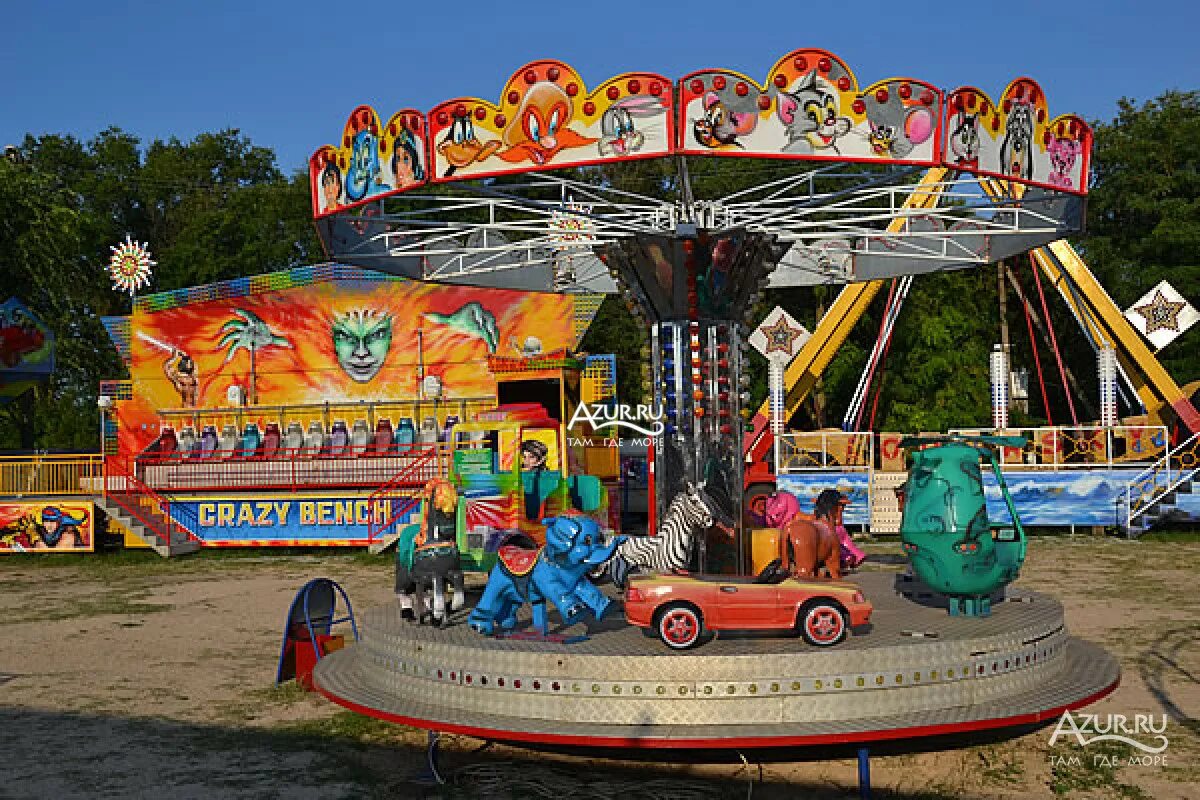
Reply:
x=362, y=339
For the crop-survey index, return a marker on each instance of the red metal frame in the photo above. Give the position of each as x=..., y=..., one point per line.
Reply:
x=288, y=470
x=134, y=497
x=597, y=739
x=406, y=485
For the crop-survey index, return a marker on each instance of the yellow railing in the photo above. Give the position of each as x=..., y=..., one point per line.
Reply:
x=25, y=476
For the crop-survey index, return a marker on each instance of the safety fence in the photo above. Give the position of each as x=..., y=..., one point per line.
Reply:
x=289, y=469
x=1180, y=465
x=31, y=476
x=404, y=489
x=1045, y=448
x=151, y=509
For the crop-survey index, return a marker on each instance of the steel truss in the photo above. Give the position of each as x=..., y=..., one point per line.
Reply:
x=541, y=232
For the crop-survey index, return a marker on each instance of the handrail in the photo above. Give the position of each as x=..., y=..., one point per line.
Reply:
x=50, y=474
x=415, y=474
x=1058, y=447
x=123, y=488
x=1147, y=482
x=289, y=469
x=803, y=451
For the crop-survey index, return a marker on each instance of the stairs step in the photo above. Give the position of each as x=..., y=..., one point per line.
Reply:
x=166, y=545
x=377, y=547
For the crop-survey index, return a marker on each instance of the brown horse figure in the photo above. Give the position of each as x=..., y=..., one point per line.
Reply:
x=810, y=542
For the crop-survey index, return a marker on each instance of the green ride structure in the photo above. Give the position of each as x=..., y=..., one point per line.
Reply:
x=945, y=530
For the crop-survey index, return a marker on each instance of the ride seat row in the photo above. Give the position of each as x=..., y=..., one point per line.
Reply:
x=270, y=443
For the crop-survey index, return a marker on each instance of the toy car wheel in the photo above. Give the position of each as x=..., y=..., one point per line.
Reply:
x=822, y=623
x=680, y=626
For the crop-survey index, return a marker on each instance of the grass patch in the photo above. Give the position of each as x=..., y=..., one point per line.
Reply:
x=1173, y=537
x=347, y=727
x=1097, y=767
x=112, y=604
x=1000, y=766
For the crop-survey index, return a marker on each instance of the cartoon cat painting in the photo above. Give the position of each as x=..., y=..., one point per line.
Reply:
x=810, y=117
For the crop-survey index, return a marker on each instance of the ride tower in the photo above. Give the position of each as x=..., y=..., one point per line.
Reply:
x=696, y=288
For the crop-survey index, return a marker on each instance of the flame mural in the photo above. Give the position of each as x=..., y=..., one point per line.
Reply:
x=345, y=340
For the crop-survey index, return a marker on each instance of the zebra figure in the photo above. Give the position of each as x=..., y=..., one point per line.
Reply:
x=690, y=513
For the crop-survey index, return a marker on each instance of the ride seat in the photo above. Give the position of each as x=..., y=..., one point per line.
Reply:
x=293, y=440
x=208, y=441
x=406, y=434
x=272, y=441
x=383, y=444
x=360, y=437
x=252, y=441
x=429, y=431
x=228, y=442
x=339, y=439
x=168, y=445
x=189, y=445
x=315, y=441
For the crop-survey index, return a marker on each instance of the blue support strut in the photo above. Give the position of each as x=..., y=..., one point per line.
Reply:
x=864, y=773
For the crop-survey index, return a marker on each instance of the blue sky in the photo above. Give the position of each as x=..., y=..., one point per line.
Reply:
x=288, y=74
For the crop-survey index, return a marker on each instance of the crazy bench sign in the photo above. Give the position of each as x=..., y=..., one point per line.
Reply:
x=303, y=521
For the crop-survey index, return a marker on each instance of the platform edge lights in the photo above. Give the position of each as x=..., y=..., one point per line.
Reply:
x=809, y=108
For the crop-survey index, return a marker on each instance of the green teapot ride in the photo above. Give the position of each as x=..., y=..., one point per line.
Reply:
x=945, y=529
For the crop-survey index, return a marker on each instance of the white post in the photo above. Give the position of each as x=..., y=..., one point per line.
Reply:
x=1106, y=368
x=999, y=375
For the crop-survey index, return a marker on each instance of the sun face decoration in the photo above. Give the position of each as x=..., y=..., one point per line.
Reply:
x=129, y=266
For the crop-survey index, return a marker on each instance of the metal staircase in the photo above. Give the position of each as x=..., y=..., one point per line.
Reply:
x=403, y=491
x=145, y=512
x=1153, y=493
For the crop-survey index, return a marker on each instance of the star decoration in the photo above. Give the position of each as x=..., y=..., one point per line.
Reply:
x=781, y=337
x=1160, y=314
x=129, y=266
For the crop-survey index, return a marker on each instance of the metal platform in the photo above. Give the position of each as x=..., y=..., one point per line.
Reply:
x=915, y=671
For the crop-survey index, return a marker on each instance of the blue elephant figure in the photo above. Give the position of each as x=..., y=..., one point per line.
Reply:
x=557, y=572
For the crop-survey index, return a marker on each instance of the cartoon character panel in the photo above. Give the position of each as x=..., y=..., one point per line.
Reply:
x=547, y=120
x=52, y=526
x=810, y=107
x=373, y=160
x=26, y=349
x=1016, y=138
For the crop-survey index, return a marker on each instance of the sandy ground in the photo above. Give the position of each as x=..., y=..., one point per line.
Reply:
x=124, y=676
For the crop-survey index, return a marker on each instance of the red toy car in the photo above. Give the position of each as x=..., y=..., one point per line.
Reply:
x=682, y=609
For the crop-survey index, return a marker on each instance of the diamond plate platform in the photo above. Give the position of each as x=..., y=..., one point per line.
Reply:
x=915, y=671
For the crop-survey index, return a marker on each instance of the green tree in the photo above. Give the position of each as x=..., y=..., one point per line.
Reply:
x=1144, y=209
x=213, y=208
